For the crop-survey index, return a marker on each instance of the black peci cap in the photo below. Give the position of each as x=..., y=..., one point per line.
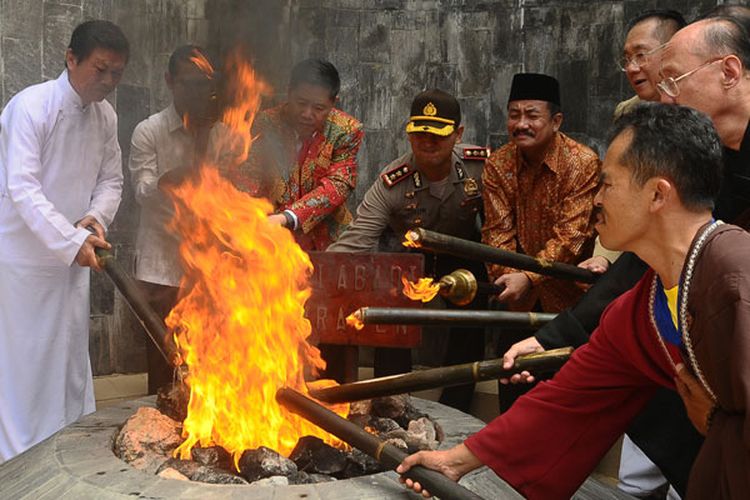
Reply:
x=534, y=86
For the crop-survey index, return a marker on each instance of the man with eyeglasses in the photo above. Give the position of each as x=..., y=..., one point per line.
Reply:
x=647, y=34
x=165, y=148
x=705, y=66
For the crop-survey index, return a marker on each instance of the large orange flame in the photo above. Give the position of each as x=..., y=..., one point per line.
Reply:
x=240, y=323
x=424, y=289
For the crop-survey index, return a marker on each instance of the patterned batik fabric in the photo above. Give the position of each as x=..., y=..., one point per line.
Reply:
x=543, y=211
x=312, y=178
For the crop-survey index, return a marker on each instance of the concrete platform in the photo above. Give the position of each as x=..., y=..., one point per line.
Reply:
x=78, y=463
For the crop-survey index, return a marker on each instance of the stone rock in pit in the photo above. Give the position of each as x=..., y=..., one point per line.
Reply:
x=421, y=435
x=398, y=443
x=397, y=433
x=264, y=462
x=322, y=478
x=305, y=478
x=213, y=455
x=147, y=439
x=170, y=473
x=390, y=406
x=312, y=455
x=384, y=425
x=360, y=464
x=360, y=412
x=272, y=481
x=203, y=473
x=172, y=400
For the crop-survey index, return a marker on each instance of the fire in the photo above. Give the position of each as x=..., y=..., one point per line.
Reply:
x=411, y=240
x=424, y=289
x=199, y=60
x=240, y=324
x=355, y=320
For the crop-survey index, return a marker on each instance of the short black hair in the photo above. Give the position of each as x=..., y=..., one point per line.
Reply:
x=727, y=35
x=98, y=34
x=183, y=54
x=316, y=72
x=670, y=21
x=675, y=142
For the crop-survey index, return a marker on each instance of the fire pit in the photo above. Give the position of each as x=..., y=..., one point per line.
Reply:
x=78, y=462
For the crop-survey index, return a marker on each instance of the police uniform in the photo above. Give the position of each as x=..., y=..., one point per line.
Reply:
x=402, y=199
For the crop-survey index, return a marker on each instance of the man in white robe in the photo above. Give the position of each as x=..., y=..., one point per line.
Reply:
x=60, y=186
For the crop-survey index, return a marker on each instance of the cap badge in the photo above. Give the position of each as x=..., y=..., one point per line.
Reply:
x=429, y=110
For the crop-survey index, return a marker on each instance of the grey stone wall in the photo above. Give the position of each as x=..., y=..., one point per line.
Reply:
x=386, y=51
x=389, y=50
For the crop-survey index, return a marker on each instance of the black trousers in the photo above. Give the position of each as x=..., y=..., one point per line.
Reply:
x=162, y=299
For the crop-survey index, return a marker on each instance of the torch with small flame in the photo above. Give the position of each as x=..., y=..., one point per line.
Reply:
x=459, y=287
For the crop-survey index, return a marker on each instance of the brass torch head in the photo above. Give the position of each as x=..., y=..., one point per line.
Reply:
x=460, y=287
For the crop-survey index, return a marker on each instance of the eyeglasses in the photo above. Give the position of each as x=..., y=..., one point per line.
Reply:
x=669, y=85
x=638, y=59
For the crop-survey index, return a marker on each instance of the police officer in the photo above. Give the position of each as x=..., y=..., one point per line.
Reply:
x=437, y=186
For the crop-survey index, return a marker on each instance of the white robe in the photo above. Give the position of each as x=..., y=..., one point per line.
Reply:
x=59, y=162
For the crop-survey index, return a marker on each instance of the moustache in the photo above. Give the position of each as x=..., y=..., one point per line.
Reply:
x=519, y=133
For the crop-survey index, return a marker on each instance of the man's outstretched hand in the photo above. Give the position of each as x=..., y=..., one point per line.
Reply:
x=453, y=464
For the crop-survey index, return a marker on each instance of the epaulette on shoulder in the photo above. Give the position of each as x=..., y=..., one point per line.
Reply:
x=396, y=175
x=475, y=153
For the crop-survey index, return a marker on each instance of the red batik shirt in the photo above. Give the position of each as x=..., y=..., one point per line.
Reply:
x=312, y=178
x=543, y=211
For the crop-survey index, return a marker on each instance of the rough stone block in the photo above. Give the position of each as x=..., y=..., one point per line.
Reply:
x=475, y=62
x=134, y=101
x=605, y=75
x=22, y=19
x=573, y=77
x=341, y=46
x=375, y=87
x=308, y=25
x=345, y=18
x=410, y=20
x=59, y=22
x=102, y=295
x=433, y=43
x=374, y=37
x=22, y=61
x=449, y=36
x=507, y=37
x=128, y=340
x=99, y=345
x=407, y=63
x=443, y=77
x=98, y=9
x=542, y=34
x=477, y=111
